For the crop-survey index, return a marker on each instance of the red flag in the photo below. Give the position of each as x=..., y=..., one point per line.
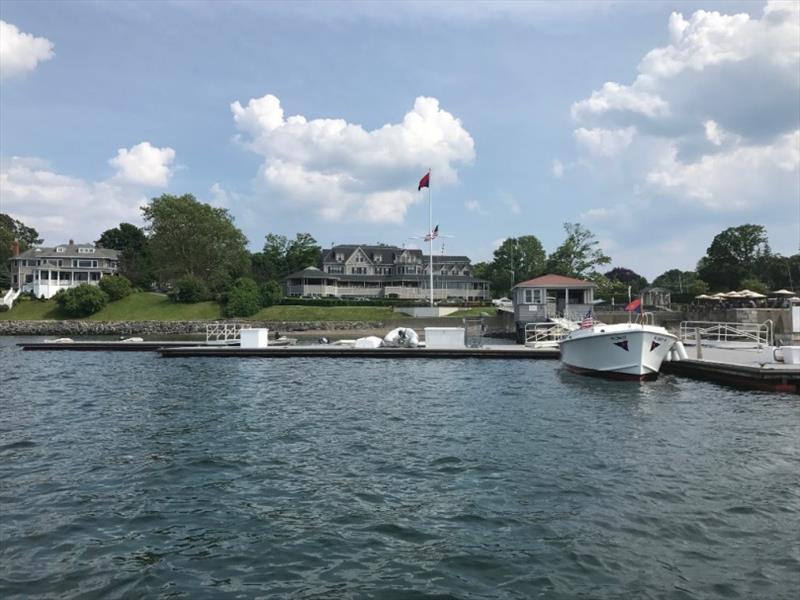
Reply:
x=634, y=306
x=425, y=181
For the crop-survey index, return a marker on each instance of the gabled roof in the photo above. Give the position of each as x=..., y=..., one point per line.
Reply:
x=550, y=281
x=68, y=250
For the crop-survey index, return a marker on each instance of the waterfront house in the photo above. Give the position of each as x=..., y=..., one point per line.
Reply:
x=383, y=271
x=542, y=298
x=45, y=271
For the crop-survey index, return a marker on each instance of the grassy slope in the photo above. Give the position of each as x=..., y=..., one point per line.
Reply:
x=147, y=306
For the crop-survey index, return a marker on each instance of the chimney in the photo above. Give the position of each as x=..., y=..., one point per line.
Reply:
x=72, y=242
x=15, y=248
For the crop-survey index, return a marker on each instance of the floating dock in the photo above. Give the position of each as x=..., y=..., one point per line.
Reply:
x=333, y=351
x=107, y=346
x=745, y=367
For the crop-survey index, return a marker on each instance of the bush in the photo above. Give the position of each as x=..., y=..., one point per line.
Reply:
x=271, y=293
x=81, y=301
x=244, y=299
x=4, y=308
x=116, y=286
x=188, y=290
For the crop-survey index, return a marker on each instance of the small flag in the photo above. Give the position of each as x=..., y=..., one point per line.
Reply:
x=588, y=321
x=433, y=235
x=635, y=306
x=425, y=181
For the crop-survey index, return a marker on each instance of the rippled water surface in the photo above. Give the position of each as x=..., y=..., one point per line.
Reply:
x=128, y=475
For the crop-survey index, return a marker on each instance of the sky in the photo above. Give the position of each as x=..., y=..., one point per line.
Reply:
x=656, y=125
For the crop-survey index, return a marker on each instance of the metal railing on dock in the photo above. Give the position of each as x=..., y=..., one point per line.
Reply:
x=223, y=332
x=545, y=335
x=760, y=334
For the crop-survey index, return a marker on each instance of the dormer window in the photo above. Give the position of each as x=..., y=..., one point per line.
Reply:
x=85, y=250
x=60, y=249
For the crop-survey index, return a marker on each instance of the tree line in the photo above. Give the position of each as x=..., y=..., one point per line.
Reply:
x=195, y=252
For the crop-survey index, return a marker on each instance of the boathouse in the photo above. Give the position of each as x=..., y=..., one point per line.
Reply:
x=543, y=298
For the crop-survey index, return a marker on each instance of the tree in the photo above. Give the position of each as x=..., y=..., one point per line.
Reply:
x=116, y=286
x=628, y=278
x=578, y=255
x=188, y=290
x=81, y=301
x=732, y=256
x=135, y=261
x=271, y=293
x=188, y=237
x=244, y=299
x=676, y=281
x=12, y=230
x=282, y=256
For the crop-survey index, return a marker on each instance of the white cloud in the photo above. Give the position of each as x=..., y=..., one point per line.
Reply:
x=558, y=169
x=338, y=170
x=472, y=206
x=21, y=52
x=707, y=135
x=143, y=164
x=62, y=207
x=512, y=205
x=604, y=142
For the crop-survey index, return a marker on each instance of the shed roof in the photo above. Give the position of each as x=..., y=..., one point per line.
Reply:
x=554, y=281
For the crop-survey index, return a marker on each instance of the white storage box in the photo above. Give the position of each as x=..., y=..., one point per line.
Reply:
x=253, y=338
x=444, y=337
x=791, y=355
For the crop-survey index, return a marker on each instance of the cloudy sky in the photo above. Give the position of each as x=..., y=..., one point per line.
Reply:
x=654, y=124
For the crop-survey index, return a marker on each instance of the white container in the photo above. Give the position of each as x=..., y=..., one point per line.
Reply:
x=791, y=354
x=253, y=338
x=444, y=337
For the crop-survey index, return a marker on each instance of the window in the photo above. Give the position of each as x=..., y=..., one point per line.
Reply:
x=84, y=264
x=528, y=296
x=60, y=250
x=85, y=250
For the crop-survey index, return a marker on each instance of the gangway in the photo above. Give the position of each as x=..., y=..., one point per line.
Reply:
x=726, y=334
x=223, y=333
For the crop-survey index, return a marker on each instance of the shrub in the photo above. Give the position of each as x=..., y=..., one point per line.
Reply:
x=81, y=301
x=188, y=290
x=244, y=299
x=116, y=286
x=271, y=293
x=4, y=308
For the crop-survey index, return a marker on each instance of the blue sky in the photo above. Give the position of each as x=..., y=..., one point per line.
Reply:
x=656, y=125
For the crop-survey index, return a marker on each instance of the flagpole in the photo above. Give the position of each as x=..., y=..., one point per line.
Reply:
x=430, y=231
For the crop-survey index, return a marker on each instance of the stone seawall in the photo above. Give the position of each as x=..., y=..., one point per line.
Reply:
x=69, y=328
x=154, y=328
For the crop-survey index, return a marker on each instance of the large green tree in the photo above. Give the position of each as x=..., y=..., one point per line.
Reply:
x=732, y=256
x=677, y=281
x=579, y=255
x=188, y=237
x=282, y=256
x=12, y=230
x=627, y=277
x=134, y=248
x=515, y=260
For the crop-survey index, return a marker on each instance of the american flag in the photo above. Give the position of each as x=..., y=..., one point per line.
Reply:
x=588, y=321
x=433, y=235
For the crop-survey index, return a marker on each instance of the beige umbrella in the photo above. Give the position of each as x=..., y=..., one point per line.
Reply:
x=794, y=299
x=751, y=295
x=732, y=294
x=783, y=292
x=703, y=297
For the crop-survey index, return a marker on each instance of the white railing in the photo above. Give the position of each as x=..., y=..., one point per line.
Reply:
x=544, y=335
x=223, y=332
x=760, y=334
x=646, y=318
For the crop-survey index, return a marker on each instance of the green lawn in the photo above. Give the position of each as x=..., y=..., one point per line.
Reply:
x=146, y=306
x=476, y=311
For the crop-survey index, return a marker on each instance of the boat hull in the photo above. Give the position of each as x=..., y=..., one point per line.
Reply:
x=626, y=351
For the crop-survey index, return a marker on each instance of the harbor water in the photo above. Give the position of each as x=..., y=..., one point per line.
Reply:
x=125, y=475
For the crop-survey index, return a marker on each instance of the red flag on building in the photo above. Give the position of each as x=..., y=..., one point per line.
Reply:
x=425, y=181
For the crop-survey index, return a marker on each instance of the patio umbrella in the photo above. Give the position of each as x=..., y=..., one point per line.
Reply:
x=783, y=292
x=703, y=297
x=732, y=294
x=751, y=295
x=794, y=299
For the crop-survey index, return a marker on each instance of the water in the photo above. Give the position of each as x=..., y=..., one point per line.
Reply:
x=128, y=475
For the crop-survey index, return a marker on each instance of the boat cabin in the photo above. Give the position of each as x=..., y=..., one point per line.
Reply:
x=543, y=298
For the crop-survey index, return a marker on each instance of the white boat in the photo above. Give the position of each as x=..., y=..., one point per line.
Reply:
x=621, y=351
